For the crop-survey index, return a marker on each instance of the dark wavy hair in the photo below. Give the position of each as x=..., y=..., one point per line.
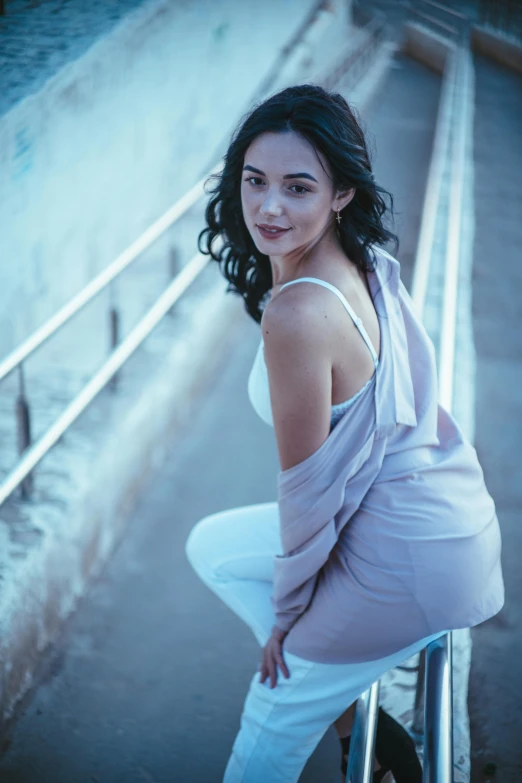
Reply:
x=326, y=120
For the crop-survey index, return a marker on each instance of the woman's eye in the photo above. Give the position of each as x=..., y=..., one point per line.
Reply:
x=300, y=192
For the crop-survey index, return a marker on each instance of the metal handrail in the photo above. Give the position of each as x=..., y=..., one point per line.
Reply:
x=438, y=723
x=455, y=23
x=421, y=266
x=38, y=450
x=362, y=744
x=451, y=277
x=446, y=9
x=438, y=712
x=434, y=692
x=355, y=58
x=276, y=67
x=447, y=28
x=97, y=284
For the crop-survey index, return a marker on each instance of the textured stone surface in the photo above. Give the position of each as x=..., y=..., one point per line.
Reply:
x=39, y=38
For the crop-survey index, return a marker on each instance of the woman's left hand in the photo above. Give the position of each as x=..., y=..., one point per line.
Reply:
x=273, y=657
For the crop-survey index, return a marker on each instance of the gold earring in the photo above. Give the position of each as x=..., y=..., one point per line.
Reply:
x=338, y=218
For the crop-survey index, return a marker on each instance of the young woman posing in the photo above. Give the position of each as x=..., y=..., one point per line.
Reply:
x=383, y=536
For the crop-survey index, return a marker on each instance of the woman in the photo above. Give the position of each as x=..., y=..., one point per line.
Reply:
x=383, y=536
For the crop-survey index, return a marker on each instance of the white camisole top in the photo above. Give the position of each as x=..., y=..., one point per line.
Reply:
x=258, y=387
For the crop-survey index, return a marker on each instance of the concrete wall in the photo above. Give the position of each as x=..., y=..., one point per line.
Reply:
x=426, y=46
x=108, y=143
x=497, y=46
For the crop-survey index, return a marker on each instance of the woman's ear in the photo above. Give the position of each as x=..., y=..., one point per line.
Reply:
x=344, y=198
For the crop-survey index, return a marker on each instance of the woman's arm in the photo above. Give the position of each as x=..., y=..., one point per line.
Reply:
x=297, y=355
x=315, y=482
x=299, y=369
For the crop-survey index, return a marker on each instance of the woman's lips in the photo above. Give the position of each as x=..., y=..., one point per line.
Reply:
x=272, y=234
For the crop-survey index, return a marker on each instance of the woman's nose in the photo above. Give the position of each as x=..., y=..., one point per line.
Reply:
x=270, y=205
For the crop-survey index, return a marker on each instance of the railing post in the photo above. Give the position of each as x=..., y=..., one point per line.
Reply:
x=115, y=340
x=417, y=729
x=362, y=745
x=23, y=430
x=174, y=268
x=114, y=327
x=438, y=714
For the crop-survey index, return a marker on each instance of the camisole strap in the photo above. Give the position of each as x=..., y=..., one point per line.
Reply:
x=357, y=321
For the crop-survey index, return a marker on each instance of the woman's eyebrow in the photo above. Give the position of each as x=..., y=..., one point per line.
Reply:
x=300, y=175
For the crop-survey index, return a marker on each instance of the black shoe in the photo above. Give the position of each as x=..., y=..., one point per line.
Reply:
x=394, y=750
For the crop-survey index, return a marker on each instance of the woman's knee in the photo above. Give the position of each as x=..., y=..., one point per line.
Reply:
x=234, y=534
x=199, y=546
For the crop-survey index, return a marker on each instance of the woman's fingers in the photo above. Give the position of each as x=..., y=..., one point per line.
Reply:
x=265, y=666
x=268, y=668
x=263, y=670
x=282, y=665
x=272, y=658
x=272, y=671
x=271, y=666
x=276, y=660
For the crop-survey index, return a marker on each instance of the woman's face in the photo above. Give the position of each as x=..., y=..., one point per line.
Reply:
x=284, y=185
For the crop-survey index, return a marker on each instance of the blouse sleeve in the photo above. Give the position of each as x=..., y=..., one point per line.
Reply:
x=316, y=499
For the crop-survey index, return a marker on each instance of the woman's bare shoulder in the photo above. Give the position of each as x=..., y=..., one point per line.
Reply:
x=298, y=313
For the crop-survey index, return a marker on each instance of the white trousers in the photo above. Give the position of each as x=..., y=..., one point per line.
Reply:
x=232, y=552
